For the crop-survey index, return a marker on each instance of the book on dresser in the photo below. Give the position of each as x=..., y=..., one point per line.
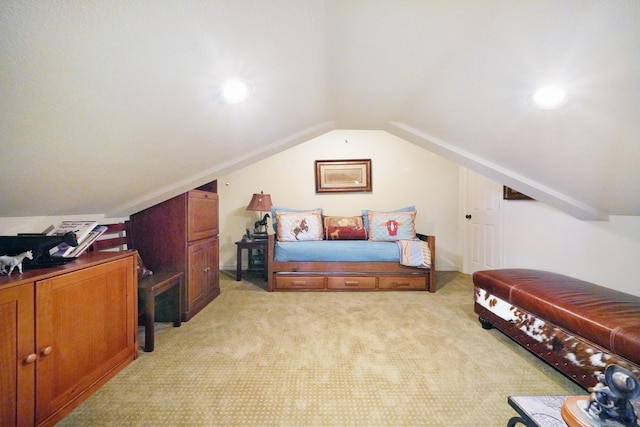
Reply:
x=87, y=241
x=82, y=229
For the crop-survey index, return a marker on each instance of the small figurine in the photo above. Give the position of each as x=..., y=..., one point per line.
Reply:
x=260, y=227
x=12, y=262
x=609, y=399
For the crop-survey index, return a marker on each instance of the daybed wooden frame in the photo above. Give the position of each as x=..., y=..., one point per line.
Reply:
x=348, y=276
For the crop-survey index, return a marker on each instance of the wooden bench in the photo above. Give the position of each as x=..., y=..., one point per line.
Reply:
x=149, y=285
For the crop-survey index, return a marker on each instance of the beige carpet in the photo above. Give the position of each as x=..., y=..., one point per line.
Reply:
x=254, y=358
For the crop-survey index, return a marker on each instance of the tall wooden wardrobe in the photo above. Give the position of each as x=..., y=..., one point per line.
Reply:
x=181, y=234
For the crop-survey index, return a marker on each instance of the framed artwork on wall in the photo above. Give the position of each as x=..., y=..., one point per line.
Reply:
x=334, y=176
x=511, y=194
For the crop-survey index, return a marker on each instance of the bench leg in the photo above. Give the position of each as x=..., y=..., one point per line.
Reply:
x=149, y=319
x=177, y=290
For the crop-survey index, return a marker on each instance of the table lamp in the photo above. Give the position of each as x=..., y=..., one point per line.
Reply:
x=261, y=203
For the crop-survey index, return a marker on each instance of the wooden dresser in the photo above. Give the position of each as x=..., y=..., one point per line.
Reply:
x=64, y=332
x=181, y=234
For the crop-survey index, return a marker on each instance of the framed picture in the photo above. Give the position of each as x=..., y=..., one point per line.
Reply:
x=511, y=194
x=333, y=176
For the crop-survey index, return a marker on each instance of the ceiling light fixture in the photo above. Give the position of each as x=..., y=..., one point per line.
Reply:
x=549, y=97
x=234, y=91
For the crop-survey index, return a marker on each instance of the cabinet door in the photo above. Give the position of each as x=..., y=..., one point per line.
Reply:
x=213, y=274
x=17, y=358
x=202, y=215
x=203, y=282
x=85, y=328
x=198, y=270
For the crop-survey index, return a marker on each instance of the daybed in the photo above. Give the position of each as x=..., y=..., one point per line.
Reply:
x=312, y=252
x=575, y=326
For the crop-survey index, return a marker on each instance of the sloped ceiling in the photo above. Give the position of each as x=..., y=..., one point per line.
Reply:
x=109, y=106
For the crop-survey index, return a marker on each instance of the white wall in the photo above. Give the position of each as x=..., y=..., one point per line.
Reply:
x=603, y=252
x=402, y=175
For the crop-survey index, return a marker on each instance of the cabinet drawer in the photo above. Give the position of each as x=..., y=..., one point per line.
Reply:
x=351, y=282
x=402, y=282
x=299, y=282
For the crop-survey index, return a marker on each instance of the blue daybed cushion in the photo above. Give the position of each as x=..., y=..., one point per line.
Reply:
x=337, y=250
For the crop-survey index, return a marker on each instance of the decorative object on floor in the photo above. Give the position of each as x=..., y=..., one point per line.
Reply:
x=609, y=403
x=12, y=262
x=334, y=176
x=260, y=203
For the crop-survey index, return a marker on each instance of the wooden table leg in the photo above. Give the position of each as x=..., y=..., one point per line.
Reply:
x=178, y=292
x=239, y=264
x=149, y=319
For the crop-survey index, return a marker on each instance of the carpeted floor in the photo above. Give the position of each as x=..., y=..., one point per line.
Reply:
x=254, y=358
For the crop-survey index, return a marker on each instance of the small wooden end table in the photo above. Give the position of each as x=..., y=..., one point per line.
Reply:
x=148, y=289
x=535, y=411
x=257, y=262
x=547, y=410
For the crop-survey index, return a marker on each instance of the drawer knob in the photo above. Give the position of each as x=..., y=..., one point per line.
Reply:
x=30, y=359
x=46, y=351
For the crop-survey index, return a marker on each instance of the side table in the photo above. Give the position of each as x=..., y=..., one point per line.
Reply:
x=534, y=411
x=256, y=262
x=545, y=410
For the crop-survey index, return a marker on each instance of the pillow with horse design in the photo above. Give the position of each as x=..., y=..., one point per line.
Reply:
x=299, y=226
x=344, y=228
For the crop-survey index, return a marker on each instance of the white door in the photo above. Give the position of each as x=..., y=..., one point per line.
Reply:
x=483, y=244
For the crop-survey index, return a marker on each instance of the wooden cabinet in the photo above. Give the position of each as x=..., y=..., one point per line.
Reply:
x=17, y=355
x=67, y=330
x=181, y=234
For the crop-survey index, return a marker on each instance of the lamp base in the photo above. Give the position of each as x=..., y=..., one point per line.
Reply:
x=260, y=236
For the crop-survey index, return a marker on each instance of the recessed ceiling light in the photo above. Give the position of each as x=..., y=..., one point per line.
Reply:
x=549, y=97
x=234, y=91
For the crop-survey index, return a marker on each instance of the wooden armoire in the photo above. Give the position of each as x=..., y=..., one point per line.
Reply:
x=181, y=234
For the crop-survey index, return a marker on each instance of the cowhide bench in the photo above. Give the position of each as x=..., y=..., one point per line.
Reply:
x=575, y=326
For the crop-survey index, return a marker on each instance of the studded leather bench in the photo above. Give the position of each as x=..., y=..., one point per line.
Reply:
x=576, y=326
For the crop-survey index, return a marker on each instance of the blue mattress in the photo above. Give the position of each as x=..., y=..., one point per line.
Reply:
x=337, y=250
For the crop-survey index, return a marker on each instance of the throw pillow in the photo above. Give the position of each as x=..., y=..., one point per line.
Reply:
x=344, y=228
x=275, y=209
x=365, y=216
x=391, y=226
x=299, y=226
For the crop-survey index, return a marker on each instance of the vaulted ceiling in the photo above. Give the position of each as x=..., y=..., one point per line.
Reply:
x=109, y=106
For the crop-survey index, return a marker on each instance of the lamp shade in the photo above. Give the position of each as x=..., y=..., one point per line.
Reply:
x=260, y=202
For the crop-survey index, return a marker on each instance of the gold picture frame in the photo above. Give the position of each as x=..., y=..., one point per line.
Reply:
x=335, y=176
